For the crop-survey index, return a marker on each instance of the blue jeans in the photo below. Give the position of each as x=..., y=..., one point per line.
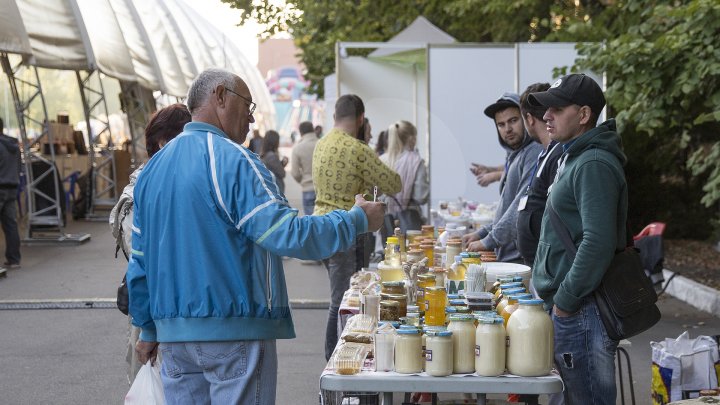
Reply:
x=237, y=372
x=585, y=357
x=308, y=202
x=8, y=220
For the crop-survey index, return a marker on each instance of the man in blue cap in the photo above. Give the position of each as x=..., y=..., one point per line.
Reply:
x=521, y=155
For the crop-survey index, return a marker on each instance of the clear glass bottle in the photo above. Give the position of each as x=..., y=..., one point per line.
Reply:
x=408, y=351
x=392, y=252
x=439, y=353
x=530, y=340
x=490, y=341
x=463, y=329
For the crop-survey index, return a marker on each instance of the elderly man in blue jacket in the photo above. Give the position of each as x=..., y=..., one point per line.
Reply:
x=205, y=277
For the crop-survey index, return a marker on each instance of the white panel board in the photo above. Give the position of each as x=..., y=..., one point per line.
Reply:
x=390, y=93
x=463, y=81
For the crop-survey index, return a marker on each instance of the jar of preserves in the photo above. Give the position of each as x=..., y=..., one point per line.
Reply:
x=401, y=299
x=463, y=329
x=469, y=258
x=428, y=231
x=415, y=255
x=453, y=248
x=429, y=250
x=390, y=273
x=513, y=304
x=389, y=311
x=504, y=300
x=530, y=340
x=439, y=353
x=490, y=341
x=411, y=236
x=393, y=287
x=435, y=303
x=424, y=281
x=505, y=287
x=408, y=351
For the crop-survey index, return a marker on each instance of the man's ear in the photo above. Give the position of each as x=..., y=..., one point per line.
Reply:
x=220, y=95
x=585, y=115
x=529, y=119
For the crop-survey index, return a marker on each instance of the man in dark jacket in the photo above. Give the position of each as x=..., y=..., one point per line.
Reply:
x=521, y=155
x=589, y=195
x=532, y=204
x=10, y=167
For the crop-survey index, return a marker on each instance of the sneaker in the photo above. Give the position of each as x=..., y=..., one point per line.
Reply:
x=11, y=266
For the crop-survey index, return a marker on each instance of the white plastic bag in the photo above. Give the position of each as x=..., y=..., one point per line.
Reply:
x=683, y=364
x=147, y=388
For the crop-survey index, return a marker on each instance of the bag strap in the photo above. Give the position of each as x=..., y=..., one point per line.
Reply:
x=562, y=232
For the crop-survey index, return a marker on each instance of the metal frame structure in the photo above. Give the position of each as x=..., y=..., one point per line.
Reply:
x=137, y=110
x=27, y=93
x=102, y=161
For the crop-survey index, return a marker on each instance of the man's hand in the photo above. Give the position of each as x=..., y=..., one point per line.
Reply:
x=469, y=237
x=488, y=178
x=375, y=212
x=560, y=313
x=477, y=246
x=478, y=169
x=146, y=351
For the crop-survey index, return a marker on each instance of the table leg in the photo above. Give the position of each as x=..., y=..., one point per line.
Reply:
x=481, y=399
x=387, y=398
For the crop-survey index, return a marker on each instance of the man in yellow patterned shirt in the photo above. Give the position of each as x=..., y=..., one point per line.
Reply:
x=342, y=167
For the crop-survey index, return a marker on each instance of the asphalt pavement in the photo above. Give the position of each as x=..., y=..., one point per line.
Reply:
x=76, y=354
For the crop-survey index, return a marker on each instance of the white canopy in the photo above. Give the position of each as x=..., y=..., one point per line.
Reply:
x=160, y=44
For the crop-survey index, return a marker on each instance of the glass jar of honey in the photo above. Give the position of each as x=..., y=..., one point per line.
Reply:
x=435, y=303
x=424, y=281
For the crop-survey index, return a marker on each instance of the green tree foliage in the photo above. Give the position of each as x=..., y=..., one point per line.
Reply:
x=664, y=88
x=317, y=25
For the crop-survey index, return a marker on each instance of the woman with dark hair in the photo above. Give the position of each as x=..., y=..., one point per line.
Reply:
x=270, y=157
x=164, y=125
x=381, y=145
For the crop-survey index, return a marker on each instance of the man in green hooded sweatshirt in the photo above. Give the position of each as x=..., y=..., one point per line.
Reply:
x=589, y=195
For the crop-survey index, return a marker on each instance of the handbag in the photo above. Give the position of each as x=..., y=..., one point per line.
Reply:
x=123, y=297
x=625, y=297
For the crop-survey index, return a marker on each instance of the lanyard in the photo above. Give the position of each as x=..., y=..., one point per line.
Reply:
x=537, y=170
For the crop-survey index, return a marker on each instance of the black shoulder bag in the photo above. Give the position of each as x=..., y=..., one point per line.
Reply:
x=626, y=297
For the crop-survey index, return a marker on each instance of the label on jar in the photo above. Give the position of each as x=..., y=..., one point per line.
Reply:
x=477, y=350
x=428, y=355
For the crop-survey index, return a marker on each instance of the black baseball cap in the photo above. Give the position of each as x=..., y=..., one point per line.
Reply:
x=507, y=100
x=571, y=89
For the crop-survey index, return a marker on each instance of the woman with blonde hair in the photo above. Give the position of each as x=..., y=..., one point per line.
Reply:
x=402, y=157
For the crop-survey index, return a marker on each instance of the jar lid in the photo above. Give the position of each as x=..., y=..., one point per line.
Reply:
x=424, y=227
x=453, y=296
x=435, y=288
x=427, y=329
x=441, y=333
x=392, y=239
x=426, y=277
x=450, y=310
x=490, y=320
x=514, y=290
x=462, y=317
x=388, y=303
x=521, y=296
x=454, y=242
x=415, y=252
x=484, y=314
x=427, y=246
x=517, y=278
x=413, y=308
x=464, y=255
x=394, y=297
x=413, y=232
x=393, y=284
x=407, y=326
x=456, y=302
x=531, y=301
x=474, y=255
x=412, y=315
x=408, y=331
x=511, y=285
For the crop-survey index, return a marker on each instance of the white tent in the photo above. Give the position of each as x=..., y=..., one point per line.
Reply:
x=160, y=44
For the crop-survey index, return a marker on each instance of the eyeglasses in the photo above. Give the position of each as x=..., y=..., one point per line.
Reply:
x=250, y=103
